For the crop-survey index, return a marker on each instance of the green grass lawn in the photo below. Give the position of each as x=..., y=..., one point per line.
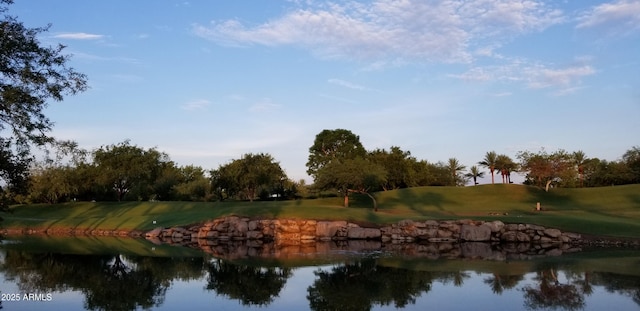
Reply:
x=610, y=211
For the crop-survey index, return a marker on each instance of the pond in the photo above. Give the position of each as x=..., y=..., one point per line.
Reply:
x=133, y=274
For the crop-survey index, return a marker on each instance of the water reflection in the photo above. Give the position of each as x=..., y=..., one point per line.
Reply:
x=108, y=282
x=360, y=284
x=341, y=281
x=250, y=285
x=549, y=292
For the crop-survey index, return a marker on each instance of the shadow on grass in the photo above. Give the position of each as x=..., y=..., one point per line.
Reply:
x=559, y=200
x=421, y=202
x=635, y=199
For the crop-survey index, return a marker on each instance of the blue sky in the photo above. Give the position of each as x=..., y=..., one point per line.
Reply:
x=207, y=81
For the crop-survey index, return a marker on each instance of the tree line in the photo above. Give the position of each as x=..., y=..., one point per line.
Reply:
x=338, y=163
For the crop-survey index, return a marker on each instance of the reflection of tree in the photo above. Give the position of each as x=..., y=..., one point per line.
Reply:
x=582, y=280
x=167, y=269
x=501, y=282
x=551, y=294
x=132, y=287
x=358, y=285
x=456, y=277
x=108, y=282
x=250, y=285
x=627, y=285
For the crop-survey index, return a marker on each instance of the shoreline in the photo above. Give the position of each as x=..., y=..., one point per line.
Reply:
x=287, y=231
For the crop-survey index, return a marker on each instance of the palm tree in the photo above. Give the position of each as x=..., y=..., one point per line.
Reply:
x=454, y=167
x=489, y=162
x=580, y=158
x=505, y=165
x=475, y=173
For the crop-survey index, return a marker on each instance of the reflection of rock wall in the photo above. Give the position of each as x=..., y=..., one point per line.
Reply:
x=321, y=250
x=296, y=232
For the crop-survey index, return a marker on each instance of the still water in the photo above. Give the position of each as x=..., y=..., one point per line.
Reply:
x=127, y=274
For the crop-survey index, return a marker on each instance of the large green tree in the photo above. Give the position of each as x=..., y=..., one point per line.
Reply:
x=631, y=158
x=331, y=145
x=399, y=165
x=193, y=184
x=357, y=175
x=544, y=169
x=51, y=184
x=432, y=174
x=248, y=177
x=31, y=74
x=124, y=168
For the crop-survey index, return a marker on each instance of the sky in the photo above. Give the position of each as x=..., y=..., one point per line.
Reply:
x=209, y=81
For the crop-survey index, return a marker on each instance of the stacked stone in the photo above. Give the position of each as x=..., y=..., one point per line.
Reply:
x=294, y=231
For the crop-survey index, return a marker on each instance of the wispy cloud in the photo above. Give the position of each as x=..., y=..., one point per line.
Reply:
x=623, y=14
x=390, y=31
x=347, y=84
x=565, y=77
x=78, y=36
x=198, y=104
x=567, y=91
x=264, y=105
x=534, y=75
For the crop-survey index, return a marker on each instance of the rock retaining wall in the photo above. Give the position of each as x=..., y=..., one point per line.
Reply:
x=289, y=231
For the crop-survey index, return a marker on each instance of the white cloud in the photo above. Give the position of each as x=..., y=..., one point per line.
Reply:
x=390, y=30
x=199, y=104
x=479, y=74
x=536, y=76
x=264, y=105
x=623, y=13
x=567, y=91
x=544, y=77
x=78, y=36
x=347, y=84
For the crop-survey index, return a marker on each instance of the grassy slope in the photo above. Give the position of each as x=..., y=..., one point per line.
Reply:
x=613, y=211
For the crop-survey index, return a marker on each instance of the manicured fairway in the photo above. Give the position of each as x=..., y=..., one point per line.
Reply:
x=610, y=211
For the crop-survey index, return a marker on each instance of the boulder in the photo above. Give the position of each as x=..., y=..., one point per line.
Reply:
x=241, y=227
x=473, y=233
x=425, y=234
x=253, y=225
x=154, y=233
x=254, y=235
x=509, y=236
x=523, y=237
x=444, y=234
x=552, y=233
x=329, y=229
x=289, y=226
x=364, y=233
x=495, y=225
